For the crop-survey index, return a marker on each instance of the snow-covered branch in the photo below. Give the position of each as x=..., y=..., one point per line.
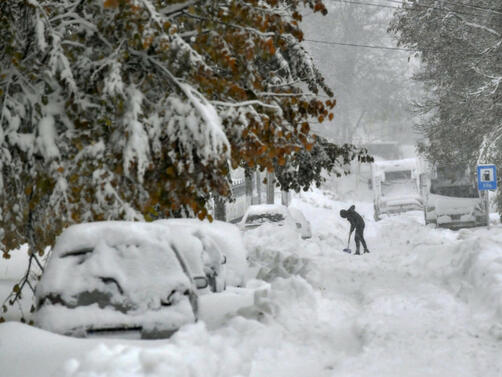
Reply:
x=235, y=26
x=245, y=103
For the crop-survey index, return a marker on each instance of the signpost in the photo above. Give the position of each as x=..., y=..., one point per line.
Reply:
x=487, y=180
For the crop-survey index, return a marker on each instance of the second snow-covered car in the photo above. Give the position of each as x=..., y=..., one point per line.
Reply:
x=118, y=277
x=276, y=214
x=223, y=251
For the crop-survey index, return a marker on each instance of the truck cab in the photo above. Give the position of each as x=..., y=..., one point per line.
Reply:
x=396, y=187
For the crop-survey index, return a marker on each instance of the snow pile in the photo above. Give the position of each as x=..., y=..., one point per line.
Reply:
x=472, y=267
x=275, y=346
x=480, y=264
x=272, y=251
x=469, y=261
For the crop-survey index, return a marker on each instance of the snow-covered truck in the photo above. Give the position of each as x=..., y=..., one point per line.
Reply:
x=451, y=197
x=396, y=186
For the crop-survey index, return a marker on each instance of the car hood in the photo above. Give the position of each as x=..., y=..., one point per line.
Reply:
x=64, y=320
x=455, y=206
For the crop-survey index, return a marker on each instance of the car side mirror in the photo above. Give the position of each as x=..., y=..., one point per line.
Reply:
x=224, y=260
x=200, y=282
x=298, y=225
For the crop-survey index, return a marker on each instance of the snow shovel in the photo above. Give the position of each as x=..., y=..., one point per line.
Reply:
x=347, y=250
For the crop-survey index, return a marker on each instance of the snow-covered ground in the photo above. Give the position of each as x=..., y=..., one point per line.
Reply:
x=424, y=302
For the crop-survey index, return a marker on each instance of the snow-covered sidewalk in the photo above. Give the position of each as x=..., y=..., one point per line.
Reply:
x=425, y=302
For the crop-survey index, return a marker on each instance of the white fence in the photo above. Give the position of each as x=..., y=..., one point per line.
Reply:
x=235, y=210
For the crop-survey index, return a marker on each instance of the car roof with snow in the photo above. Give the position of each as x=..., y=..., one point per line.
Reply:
x=258, y=209
x=380, y=167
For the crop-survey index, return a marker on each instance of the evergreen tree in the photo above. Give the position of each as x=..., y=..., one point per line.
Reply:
x=460, y=46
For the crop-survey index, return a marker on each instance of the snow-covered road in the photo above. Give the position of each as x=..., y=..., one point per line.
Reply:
x=425, y=302
x=407, y=321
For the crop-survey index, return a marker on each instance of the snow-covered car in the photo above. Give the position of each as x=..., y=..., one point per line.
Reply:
x=452, y=199
x=118, y=277
x=207, y=253
x=224, y=254
x=276, y=214
x=299, y=217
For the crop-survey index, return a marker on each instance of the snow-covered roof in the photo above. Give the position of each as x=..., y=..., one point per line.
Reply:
x=379, y=167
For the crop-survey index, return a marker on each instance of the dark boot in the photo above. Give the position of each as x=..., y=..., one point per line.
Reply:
x=357, y=252
x=366, y=251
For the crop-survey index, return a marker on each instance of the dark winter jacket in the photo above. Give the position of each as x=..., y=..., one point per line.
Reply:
x=355, y=219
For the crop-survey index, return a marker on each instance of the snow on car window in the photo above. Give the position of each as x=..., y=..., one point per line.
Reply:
x=460, y=191
x=265, y=217
x=78, y=252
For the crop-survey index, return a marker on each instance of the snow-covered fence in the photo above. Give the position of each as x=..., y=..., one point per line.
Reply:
x=235, y=209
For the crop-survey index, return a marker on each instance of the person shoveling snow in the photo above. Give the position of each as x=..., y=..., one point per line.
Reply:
x=357, y=223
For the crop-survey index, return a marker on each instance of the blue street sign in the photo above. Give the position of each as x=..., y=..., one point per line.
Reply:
x=487, y=177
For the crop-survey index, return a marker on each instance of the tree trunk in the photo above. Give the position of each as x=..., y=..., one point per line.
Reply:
x=270, y=188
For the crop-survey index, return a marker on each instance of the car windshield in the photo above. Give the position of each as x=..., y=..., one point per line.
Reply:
x=397, y=175
x=265, y=217
x=454, y=181
x=460, y=191
x=77, y=252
